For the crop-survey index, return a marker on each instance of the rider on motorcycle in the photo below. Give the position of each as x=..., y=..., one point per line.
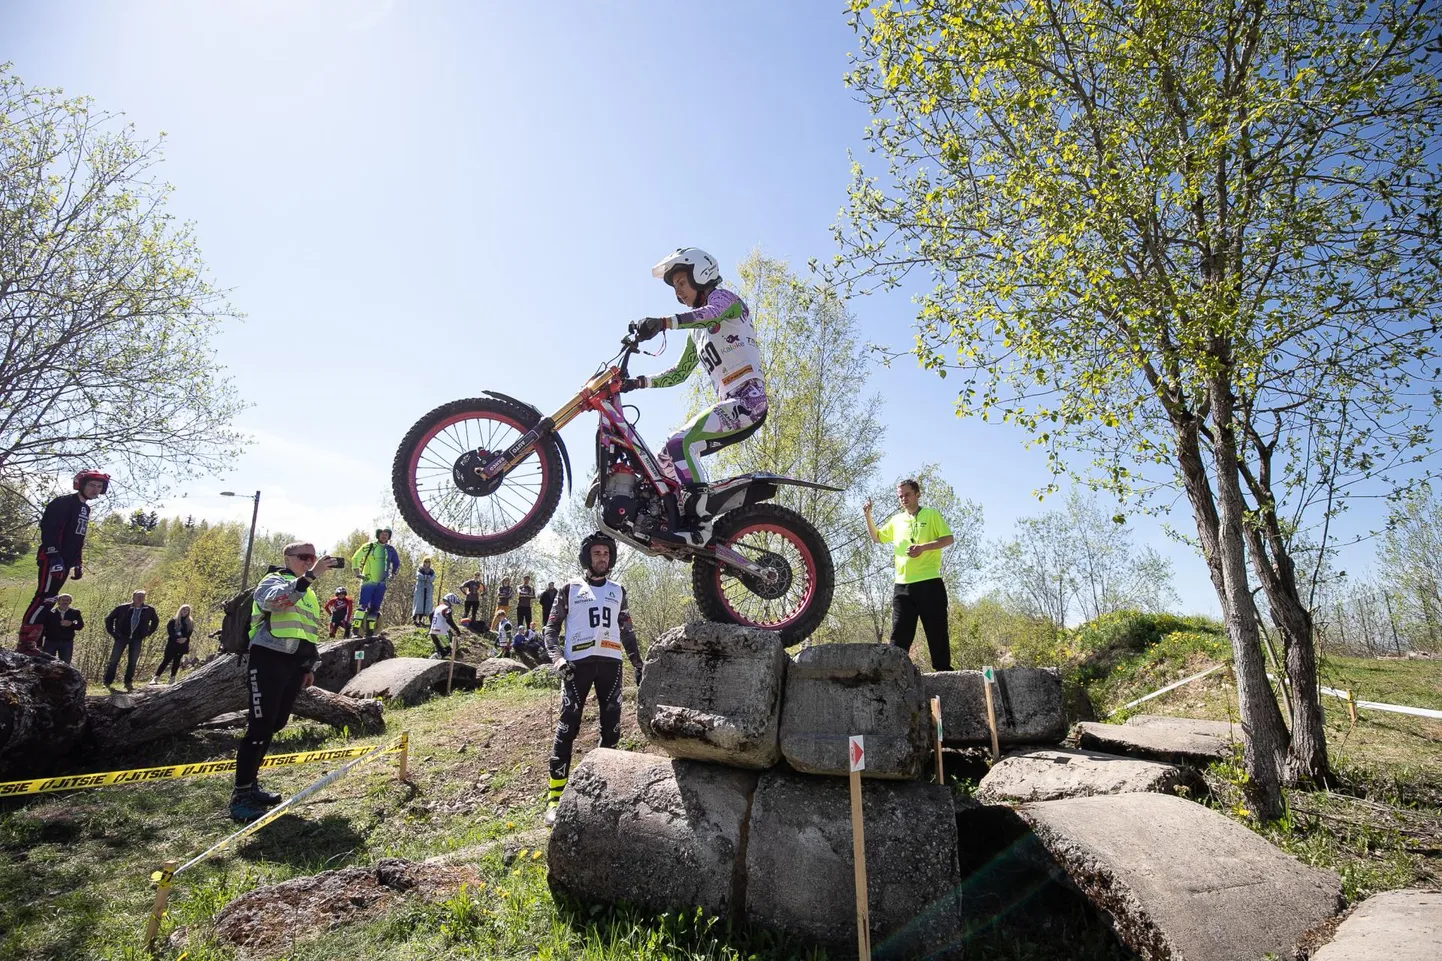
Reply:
x=724, y=342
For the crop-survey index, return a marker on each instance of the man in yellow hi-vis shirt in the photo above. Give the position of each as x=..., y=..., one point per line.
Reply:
x=917, y=535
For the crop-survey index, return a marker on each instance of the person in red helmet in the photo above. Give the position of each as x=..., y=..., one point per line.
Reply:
x=62, y=544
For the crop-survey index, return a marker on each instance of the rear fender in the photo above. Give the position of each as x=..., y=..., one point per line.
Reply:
x=565, y=455
x=737, y=492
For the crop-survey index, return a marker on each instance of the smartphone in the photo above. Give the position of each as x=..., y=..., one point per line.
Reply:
x=337, y=562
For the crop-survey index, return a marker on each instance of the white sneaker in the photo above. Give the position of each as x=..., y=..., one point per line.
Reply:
x=551, y=814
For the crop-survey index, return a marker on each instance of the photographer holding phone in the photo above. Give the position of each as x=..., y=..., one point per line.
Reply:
x=285, y=620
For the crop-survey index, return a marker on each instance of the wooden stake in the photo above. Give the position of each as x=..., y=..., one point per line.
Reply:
x=405, y=751
x=858, y=857
x=157, y=911
x=986, y=678
x=1352, y=707
x=936, y=723
x=450, y=674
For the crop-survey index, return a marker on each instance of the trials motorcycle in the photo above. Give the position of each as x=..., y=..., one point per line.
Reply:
x=482, y=476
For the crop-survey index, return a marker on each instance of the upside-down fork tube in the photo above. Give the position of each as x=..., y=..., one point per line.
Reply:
x=523, y=446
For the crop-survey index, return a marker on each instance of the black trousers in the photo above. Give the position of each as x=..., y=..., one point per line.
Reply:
x=114, y=663
x=605, y=674
x=47, y=586
x=523, y=615
x=174, y=651
x=274, y=679
x=924, y=600
x=472, y=608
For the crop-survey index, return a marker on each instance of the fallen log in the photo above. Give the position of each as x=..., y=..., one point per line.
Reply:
x=122, y=721
x=42, y=712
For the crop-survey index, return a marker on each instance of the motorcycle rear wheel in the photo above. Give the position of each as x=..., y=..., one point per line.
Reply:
x=445, y=503
x=779, y=537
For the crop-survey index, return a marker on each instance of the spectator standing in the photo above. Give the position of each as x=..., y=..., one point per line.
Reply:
x=62, y=542
x=423, y=600
x=128, y=626
x=442, y=624
x=285, y=619
x=473, y=590
x=339, y=608
x=61, y=623
x=592, y=609
x=548, y=597
x=177, y=642
x=503, y=603
x=917, y=535
x=375, y=564
x=525, y=594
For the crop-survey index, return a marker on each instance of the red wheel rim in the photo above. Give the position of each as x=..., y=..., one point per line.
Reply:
x=750, y=610
x=492, y=517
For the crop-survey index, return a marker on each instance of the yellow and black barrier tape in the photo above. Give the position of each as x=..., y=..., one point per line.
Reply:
x=399, y=744
x=75, y=782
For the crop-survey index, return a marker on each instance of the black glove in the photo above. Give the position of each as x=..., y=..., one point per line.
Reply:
x=565, y=671
x=640, y=669
x=649, y=327
x=633, y=383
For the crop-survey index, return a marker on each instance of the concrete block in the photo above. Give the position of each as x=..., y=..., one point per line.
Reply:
x=1027, y=701
x=409, y=680
x=712, y=692
x=1391, y=926
x=1172, y=743
x=652, y=831
x=837, y=690
x=799, y=867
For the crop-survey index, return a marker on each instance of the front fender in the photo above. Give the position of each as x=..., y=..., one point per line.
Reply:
x=565, y=455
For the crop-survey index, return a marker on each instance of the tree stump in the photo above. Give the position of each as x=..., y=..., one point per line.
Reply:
x=42, y=713
x=122, y=721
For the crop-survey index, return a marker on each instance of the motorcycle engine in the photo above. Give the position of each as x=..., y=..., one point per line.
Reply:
x=618, y=498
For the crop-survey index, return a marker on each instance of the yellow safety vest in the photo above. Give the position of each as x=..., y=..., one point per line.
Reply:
x=301, y=622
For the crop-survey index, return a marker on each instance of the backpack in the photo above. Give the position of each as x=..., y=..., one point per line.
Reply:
x=235, y=626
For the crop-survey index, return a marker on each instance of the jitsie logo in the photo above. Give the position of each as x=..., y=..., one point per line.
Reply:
x=255, y=711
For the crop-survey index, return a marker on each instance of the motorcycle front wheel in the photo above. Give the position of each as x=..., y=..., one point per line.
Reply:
x=443, y=499
x=796, y=602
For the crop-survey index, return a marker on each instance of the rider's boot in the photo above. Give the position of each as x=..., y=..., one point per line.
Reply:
x=691, y=526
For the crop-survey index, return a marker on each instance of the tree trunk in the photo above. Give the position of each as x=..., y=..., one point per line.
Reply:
x=1306, y=759
x=123, y=721
x=1264, y=734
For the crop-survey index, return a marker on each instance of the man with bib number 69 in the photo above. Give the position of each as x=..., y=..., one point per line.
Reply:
x=592, y=608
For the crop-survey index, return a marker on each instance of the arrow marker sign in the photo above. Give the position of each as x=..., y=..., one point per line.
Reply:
x=858, y=753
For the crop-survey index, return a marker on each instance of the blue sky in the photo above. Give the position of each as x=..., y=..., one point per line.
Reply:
x=412, y=202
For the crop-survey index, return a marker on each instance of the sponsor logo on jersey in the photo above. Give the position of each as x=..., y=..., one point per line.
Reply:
x=611, y=645
x=737, y=374
x=733, y=338
x=583, y=646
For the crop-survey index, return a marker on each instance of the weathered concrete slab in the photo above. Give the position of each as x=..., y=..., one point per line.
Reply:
x=408, y=679
x=799, y=869
x=1049, y=774
x=712, y=692
x=338, y=664
x=655, y=832
x=1228, y=730
x=1392, y=926
x=1175, y=744
x=1181, y=881
x=836, y=690
x=1027, y=701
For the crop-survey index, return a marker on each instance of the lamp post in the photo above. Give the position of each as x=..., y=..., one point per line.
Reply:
x=250, y=546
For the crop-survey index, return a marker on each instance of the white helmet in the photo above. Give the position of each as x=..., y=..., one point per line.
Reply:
x=703, y=266
x=451, y=599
